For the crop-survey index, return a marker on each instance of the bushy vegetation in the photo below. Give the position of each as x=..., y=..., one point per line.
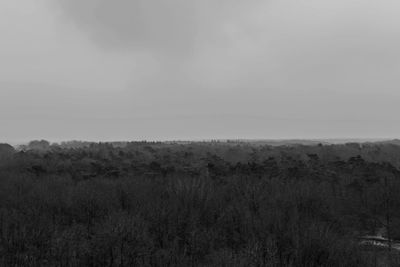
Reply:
x=197, y=204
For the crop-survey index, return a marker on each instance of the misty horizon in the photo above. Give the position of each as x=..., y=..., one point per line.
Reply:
x=199, y=133
x=276, y=141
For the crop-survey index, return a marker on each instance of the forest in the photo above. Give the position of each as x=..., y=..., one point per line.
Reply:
x=214, y=203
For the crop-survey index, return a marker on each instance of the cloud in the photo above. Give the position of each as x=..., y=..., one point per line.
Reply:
x=257, y=58
x=183, y=45
x=224, y=44
x=167, y=28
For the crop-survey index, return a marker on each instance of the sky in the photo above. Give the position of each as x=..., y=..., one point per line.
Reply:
x=103, y=70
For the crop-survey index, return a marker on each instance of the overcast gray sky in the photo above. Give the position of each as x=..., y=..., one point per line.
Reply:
x=199, y=69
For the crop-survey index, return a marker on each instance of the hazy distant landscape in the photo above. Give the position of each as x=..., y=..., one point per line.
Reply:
x=210, y=133
x=214, y=203
x=271, y=142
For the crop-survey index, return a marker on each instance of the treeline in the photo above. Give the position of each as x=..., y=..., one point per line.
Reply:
x=198, y=204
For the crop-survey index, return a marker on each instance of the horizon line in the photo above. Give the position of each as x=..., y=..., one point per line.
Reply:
x=328, y=139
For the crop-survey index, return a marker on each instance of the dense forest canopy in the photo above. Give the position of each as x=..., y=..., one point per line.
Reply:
x=229, y=203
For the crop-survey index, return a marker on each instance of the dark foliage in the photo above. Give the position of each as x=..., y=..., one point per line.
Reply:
x=197, y=204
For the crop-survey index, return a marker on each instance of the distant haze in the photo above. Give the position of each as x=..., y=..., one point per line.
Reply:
x=199, y=69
